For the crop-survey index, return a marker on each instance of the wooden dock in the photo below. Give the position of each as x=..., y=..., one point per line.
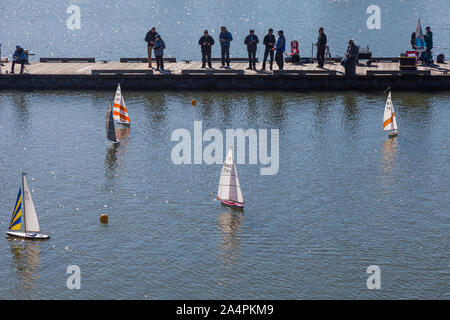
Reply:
x=182, y=75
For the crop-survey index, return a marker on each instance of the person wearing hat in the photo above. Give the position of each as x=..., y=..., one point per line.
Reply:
x=19, y=56
x=280, y=47
x=150, y=38
x=252, y=43
x=269, y=42
x=225, y=39
x=159, y=47
x=206, y=42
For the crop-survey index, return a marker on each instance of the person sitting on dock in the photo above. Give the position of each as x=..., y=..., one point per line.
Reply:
x=428, y=37
x=351, y=58
x=19, y=56
x=225, y=39
x=269, y=42
x=280, y=47
x=206, y=41
x=150, y=38
x=252, y=44
x=321, y=45
x=159, y=53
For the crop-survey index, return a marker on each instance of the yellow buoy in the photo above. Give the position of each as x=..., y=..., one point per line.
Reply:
x=104, y=218
x=194, y=102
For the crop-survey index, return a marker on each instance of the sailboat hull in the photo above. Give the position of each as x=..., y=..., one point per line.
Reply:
x=232, y=204
x=28, y=235
x=393, y=134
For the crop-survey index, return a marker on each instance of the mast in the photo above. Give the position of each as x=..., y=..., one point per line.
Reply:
x=23, y=201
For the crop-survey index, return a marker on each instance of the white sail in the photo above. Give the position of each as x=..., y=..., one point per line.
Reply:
x=31, y=220
x=120, y=111
x=389, y=119
x=229, y=187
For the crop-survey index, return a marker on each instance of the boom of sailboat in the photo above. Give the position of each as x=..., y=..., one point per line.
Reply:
x=30, y=220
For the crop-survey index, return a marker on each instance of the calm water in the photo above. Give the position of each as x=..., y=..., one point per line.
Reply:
x=116, y=28
x=345, y=197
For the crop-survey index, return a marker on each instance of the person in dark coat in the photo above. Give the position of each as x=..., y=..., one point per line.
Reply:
x=252, y=44
x=321, y=47
x=19, y=56
x=280, y=47
x=351, y=58
x=428, y=37
x=413, y=41
x=269, y=42
x=150, y=38
x=206, y=42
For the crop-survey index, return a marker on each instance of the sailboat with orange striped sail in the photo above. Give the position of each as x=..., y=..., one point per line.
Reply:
x=389, y=119
x=30, y=219
x=120, y=112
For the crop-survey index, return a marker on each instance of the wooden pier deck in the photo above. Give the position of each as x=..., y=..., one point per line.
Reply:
x=79, y=75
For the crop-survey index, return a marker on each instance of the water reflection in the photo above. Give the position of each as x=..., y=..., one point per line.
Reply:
x=113, y=151
x=389, y=155
x=26, y=257
x=156, y=111
x=230, y=224
x=21, y=110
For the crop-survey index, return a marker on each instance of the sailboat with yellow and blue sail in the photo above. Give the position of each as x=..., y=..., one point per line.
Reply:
x=30, y=220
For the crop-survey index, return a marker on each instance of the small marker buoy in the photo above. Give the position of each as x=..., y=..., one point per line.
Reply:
x=194, y=102
x=104, y=218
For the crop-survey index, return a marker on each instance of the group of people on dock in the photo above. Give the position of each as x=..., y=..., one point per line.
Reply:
x=427, y=56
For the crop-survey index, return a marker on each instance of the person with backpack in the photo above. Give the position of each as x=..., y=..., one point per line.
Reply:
x=159, y=47
x=150, y=38
x=206, y=42
x=225, y=38
x=269, y=42
x=252, y=43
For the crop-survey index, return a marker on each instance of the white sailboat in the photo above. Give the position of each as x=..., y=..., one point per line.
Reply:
x=229, y=192
x=389, y=119
x=29, y=216
x=120, y=111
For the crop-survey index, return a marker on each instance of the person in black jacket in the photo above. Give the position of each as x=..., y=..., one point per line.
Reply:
x=206, y=41
x=150, y=38
x=321, y=47
x=269, y=42
x=252, y=42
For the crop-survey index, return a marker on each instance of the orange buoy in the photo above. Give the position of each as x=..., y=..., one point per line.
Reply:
x=104, y=218
x=194, y=102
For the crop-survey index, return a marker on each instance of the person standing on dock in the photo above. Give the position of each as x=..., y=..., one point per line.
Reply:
x=428, y=37
x=150, y=38
x=280, y=47
x=321, y=47
x=252, y=43
x=159, y=47
x=206, y=42
x=225, y=39
x=269, y=42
